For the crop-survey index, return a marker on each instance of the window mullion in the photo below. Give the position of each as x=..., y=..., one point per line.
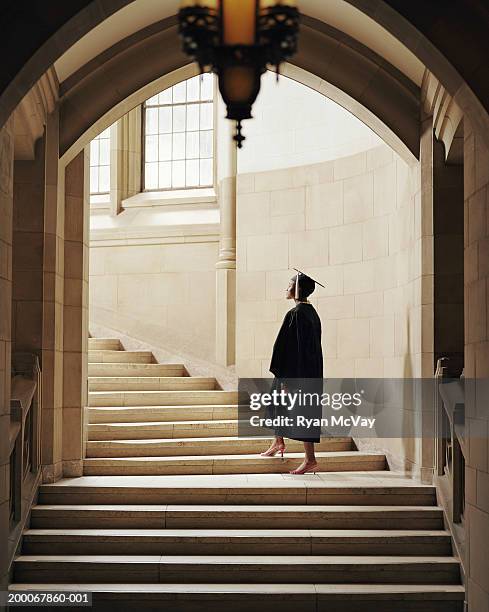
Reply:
x=174, y=146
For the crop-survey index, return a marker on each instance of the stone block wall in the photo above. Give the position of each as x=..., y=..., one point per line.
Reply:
x=295, y=125
x=28, y=253
x=357, y=225
x=75, y=314
x=6, y=216
x=53, y=300
x=161, y=293
x=354, y=224
x=476, y=217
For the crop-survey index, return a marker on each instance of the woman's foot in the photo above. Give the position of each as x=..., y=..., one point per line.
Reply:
x=275, y=448
x=306, y=466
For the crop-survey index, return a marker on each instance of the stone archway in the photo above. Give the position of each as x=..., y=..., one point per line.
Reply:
x=451, y=78
x=418, y=29
x=371, y=88
x=374, y=87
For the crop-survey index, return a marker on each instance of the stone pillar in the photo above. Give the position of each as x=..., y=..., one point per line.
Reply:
x=34, y=266
x=476, y=281
x=6, y=216
x=75, y=313
x=53, y=297
x=424, y=231
x=28, y=253
x=226, y=264
x=423, y=446
x=439, y=221
x=448, y=247
x=125, y=159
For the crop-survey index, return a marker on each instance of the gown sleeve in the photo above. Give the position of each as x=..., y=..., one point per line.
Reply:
x=278, y=363
x=292, y=347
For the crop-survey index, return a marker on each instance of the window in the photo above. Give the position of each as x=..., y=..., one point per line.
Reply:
x=179, y=136
x=100, y=164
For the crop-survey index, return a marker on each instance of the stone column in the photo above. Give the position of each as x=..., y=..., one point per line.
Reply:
x=441, y=288
x=448, y=247
x=53, y=298
x=125, y=159
x=423, y=447
x=226, y=264
x=6, y=215
x=34, y=264
x=28, y=253
x=476, y=279
x=75, y=313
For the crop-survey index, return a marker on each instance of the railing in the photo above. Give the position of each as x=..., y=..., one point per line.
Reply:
x=25, y=430
x=450, y=447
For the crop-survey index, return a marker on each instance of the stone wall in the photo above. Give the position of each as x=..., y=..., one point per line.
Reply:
x=75, y=314
x=6, y=214
x=295, y=125
x=356, y=225
x=352, y=224
x=53, y=298
x=28, y=253
x=161, y=293
x=476, y=195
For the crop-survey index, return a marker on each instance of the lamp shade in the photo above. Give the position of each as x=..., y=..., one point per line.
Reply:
x=239, y=87
x=238, y=22
x=210, y=4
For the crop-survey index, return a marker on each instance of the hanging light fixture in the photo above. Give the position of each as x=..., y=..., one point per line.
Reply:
x=238, y=39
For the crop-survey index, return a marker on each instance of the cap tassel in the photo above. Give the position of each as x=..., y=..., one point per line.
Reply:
x=297, y=286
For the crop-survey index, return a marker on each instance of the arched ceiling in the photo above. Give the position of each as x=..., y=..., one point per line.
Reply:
x=140, y=14
x=335, y=58
x=448, y=37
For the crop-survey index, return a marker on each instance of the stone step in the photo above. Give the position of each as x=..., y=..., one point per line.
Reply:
x=160, y=398
x=136, y=369
x=239, y=542
x=156, y=430
x=151, y=383
x=145, y=414
x=246, y=568
x=222, y=445
x=104, y=344
x=236, y=517
x=332, y=488
x=120, y=357
x=230, y=464
x=193, y=519
x=259, y=597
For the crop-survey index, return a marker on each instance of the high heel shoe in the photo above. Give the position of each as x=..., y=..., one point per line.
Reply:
x=306, y=469
x=273, y=450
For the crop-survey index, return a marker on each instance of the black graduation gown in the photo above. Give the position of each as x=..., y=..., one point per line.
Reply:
x=297, y=353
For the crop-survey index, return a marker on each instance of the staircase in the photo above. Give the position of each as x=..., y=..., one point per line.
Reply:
x=175, y=511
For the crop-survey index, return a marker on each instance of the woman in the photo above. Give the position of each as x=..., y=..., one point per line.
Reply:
x=297, y=353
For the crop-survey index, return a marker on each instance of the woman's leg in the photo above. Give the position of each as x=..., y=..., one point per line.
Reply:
x=278, y=445
x=309, y=464
x=309, y=452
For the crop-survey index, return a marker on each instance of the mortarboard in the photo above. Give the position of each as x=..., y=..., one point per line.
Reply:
x=302, y=278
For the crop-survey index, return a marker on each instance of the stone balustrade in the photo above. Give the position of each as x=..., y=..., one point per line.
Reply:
x=24, y=442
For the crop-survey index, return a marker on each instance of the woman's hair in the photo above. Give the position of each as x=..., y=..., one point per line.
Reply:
x=306, y=286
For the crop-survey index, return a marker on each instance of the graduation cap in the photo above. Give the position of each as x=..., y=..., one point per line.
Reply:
x=305, y=282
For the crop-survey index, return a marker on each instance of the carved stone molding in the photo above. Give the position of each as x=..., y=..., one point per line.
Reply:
x=447, y=117
x=333, y=57
x=30, y=115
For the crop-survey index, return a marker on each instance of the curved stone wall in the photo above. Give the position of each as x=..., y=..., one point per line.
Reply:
x=354, y=223
x=294, y=125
